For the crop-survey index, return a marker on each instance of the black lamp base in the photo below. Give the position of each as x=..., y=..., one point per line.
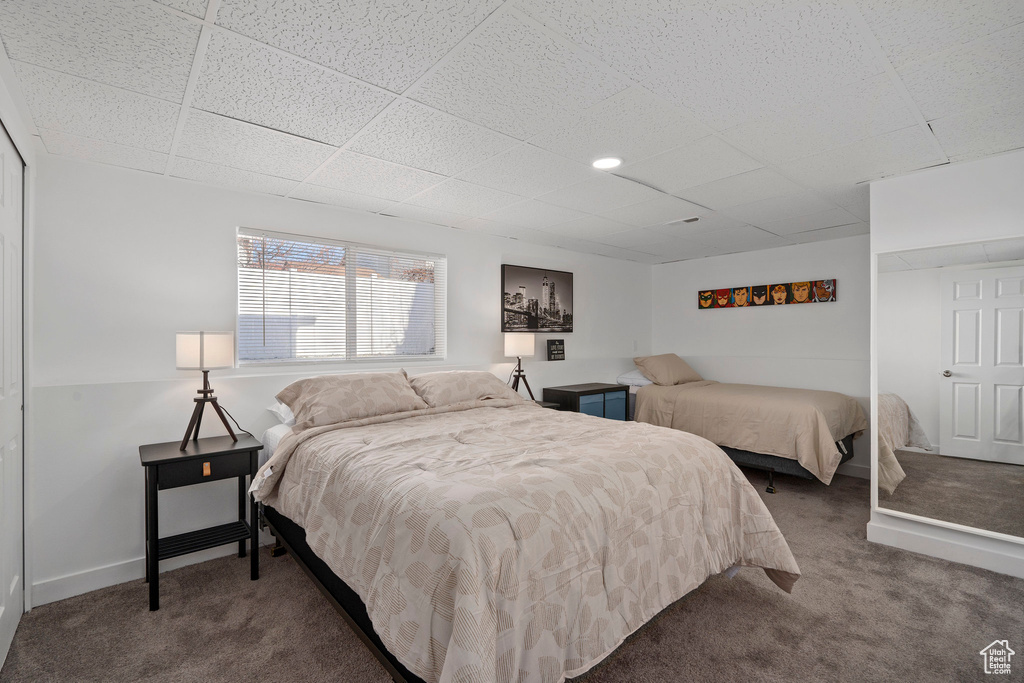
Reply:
x=197, y=415
x=520, y=375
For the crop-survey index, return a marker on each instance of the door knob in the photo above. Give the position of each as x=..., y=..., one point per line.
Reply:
x=947, y=373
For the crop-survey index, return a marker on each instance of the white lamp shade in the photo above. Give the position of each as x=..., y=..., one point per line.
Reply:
x=205, y=350
x=518, y=344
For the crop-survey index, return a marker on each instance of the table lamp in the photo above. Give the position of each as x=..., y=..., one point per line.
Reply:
x=205, y=351
x=517, y=345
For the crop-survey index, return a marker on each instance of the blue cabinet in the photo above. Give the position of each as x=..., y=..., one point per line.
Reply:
x=600, y=400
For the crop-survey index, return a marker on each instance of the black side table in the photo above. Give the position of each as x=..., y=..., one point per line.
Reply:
x=210, y=459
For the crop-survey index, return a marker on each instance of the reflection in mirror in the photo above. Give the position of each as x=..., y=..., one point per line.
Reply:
x=950, y=336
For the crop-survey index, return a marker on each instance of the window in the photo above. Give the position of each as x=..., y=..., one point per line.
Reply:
x=311, y=299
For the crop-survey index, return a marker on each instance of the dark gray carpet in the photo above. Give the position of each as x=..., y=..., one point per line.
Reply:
x=861, y=612
x=976, y=493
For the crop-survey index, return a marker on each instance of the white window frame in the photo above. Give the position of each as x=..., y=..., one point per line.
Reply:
x=351, y=333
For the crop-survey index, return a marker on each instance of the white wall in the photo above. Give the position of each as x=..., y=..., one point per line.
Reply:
x=967, y=202
x=820, y=346
x=909, y=317
x=124, y=259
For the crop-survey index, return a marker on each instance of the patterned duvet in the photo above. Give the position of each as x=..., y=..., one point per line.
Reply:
x=501, y=541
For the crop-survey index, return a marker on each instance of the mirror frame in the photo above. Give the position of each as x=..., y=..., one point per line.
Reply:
x=873, y=387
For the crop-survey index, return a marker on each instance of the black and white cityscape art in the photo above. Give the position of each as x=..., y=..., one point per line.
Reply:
x=535, y=300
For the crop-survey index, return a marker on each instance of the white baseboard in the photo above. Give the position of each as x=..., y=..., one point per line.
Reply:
x=852, y=469
x=986, y=552
x=62, y=587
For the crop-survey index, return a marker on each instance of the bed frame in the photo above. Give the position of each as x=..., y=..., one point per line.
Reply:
x=773, y=463
x=291, y=537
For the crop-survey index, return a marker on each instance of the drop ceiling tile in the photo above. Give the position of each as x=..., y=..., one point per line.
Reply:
x=228, y=142
x=71, y=105
x=425, y=214
x=131, y=45
x=658, y=211
x=854, y=198
x=908, y=34
x=468, y=199
x=694, y=164
x=980, y=132
x=744, y=238
x=726, y=63
x=329, y=195
x=1004, y=250
x=779, y=208
x=514, y=78
x=78, y=147
x=414, y=135
x=897, y=152
x=196, y=8
x=814, y=221
x=534, y=214
x=588, y=227
x=980, y=73
x=865, y=109
x=941, y=257
x=389, y=44
x=603, y=192
x=685, y=250
x=632, y=125
x=614, y=252
x=528, y=171
x=835, y=233
x=490, y=227
x=890, y=263
x=752, y=186
x=251, y=82
x=365, y=175
x=238, y=179
x=712, y=222
x=640, y=239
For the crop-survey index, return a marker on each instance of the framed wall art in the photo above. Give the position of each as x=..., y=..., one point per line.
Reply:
x=535, y=299
x=806, y=292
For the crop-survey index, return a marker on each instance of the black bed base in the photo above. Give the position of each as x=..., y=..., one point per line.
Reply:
x=293, y=538
x=773, y=463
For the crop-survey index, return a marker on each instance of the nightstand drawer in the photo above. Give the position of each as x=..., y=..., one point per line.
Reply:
x=197, y=470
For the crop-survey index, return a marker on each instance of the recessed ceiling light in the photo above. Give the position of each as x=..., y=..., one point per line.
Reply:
x=607, y=162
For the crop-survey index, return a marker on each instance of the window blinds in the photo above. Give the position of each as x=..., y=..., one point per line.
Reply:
x=311, y=299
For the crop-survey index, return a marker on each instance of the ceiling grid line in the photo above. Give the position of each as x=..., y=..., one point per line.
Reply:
x=193, y=77
x=871, y=40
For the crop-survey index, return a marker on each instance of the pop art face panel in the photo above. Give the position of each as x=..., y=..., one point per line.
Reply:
x=805, y=292
x=824, y=290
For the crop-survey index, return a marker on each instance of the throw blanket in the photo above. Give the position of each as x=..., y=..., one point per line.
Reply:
x=501, y=541
x=799, y=424
x=897, y=427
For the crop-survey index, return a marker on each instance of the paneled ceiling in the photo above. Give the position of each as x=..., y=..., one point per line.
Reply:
x=764, y=119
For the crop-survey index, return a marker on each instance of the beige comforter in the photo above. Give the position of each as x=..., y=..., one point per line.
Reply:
x=897, y=427
x=799, y=424
x=501, y=541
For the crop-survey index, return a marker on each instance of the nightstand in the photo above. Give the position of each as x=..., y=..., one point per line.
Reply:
x=600, y=400
x=203, y=460
x=548, y=404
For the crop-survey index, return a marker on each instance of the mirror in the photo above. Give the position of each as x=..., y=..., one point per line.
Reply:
x=950, y=350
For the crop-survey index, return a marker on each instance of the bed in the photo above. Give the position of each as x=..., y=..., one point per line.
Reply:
x=802, y=432
x=479, y=537
x=897, y=428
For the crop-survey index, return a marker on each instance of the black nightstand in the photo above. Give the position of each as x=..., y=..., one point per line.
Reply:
x=548, y=404
x=210, y=459
x=601, y=400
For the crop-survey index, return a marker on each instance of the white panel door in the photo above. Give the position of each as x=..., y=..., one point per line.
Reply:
x=11, y=394
x=982, y=396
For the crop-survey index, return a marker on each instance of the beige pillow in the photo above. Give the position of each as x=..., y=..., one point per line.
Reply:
x=449, y=388
x=666, y=369
x=330, y=399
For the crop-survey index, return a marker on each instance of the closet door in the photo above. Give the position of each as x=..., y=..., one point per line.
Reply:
x=11, y=393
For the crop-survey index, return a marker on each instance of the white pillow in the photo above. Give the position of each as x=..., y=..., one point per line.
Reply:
x=633, y=378
x=283, y=413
